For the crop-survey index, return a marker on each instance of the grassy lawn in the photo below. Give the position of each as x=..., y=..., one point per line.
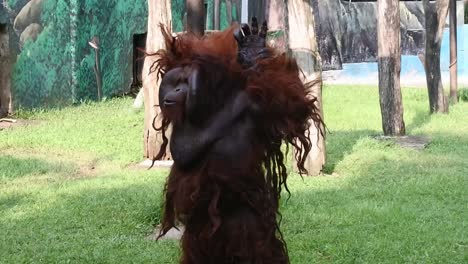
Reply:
x=68, y=192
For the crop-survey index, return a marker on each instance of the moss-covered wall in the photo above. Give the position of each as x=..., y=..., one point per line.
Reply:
x=54, y=62
x=42, y=72
x=54, y=65
x=3, y=15
x=114, y=22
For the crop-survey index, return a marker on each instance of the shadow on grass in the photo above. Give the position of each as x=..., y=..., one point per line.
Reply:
x=13, y=167
x=10, y=201
x=339, y=144
x=410, y=211
x=408, y=206
x=420, y=119
x=97, y=221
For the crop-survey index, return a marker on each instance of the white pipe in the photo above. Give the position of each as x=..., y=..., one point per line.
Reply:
x=245, y=11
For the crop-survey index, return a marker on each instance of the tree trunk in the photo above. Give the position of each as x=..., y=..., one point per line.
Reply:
x=6, y=107
x=303, y=45
x=389, y=64
x=196, y=16
x=453, y=52
x=159, y=12
x=435, y=14
x=275, y=14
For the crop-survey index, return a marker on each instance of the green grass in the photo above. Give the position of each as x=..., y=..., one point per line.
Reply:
x=68, y=194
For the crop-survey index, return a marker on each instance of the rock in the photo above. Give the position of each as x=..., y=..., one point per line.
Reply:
x=412, y=16
x=15, y=6
x=411, y=142
x=4, y=42
x=412, y=25
x=29, y=14
x=146, y=164
x=139, y=100
x=347, y=32
x=30, y=33
x=3, y=15
x=173, y=234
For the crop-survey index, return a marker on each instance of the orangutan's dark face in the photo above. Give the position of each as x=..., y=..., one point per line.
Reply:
x=174, y=93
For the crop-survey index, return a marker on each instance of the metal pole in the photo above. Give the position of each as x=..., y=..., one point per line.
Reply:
x=217, y=8
x=453, y=51
x=245, y=11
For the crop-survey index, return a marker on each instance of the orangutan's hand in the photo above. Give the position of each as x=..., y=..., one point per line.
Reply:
x=252, y=43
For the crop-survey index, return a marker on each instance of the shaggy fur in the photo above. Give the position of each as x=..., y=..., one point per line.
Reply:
x=230, y=211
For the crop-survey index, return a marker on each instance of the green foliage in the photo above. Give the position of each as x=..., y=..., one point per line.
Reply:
x=463, y=94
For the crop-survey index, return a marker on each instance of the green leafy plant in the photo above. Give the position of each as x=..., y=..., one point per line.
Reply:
x=463, y=94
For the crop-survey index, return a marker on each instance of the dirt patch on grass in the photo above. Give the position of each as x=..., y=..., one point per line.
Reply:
x=86, y=169
x=61, y=165
x=148, y=164
x=173, y=234
x=411, y=142
x=6, y=123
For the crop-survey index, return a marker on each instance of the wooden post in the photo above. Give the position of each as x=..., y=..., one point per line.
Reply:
x=98, y=74
x=389, y=64
x=94, y=43
x=196, y=17
x=435, y=15
x=303, y=45
x=453, y=52
x=159, y=12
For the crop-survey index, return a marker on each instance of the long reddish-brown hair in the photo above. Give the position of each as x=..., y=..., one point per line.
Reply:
x=287, y=108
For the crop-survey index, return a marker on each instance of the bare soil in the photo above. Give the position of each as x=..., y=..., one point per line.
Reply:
x=6, y=123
